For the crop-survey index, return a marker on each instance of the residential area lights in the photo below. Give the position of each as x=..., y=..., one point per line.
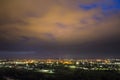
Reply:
x=51, y=65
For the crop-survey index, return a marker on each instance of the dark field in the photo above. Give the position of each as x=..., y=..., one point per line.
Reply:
x=60, y=74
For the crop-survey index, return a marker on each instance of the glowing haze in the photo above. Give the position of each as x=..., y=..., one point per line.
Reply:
x=59, y=28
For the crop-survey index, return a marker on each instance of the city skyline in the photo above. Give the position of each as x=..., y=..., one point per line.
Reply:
x=59, y=29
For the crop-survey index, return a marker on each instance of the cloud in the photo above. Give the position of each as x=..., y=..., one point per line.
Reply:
x=62, y=21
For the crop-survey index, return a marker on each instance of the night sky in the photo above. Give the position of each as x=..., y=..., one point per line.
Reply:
x=59, y=28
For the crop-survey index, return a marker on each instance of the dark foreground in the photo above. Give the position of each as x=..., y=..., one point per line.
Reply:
x=65, y=74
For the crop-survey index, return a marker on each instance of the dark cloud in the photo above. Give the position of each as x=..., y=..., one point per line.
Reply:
x=8, y=21
x=62, y=28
